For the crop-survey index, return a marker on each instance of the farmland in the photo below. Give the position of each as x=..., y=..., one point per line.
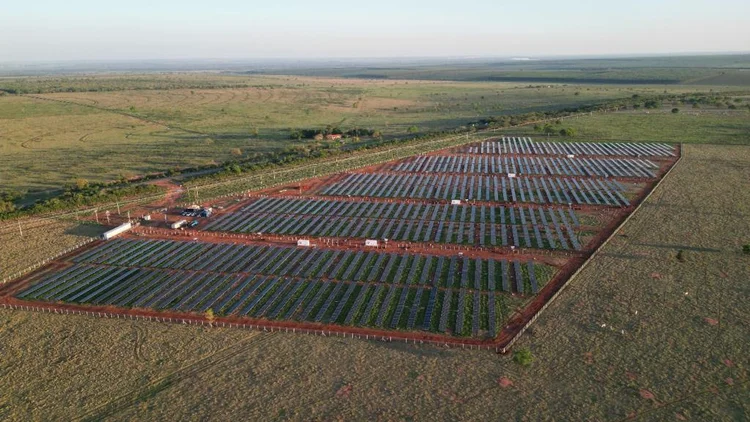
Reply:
x=433, y=267
x=681, y=357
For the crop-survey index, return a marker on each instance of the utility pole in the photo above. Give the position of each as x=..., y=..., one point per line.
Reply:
x=96, y=213
x=118, y=207
x=19, y=228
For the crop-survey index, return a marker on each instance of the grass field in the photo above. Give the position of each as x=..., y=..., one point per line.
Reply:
x=704, y=126
x=38, y=240
x=640, y=334
x=130, y=125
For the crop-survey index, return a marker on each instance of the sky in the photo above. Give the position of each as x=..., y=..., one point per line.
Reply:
x=44, y=30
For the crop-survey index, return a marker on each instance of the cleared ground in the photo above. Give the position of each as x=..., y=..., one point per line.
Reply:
x=683, y=355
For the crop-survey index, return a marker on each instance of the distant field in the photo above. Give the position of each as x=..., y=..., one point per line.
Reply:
x=738, y=78
x=709, y=126
x=731, y=70
x=134, y=125
x=640, y=334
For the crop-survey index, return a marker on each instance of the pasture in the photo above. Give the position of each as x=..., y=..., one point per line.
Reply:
x=703, y=126
x=127, y=125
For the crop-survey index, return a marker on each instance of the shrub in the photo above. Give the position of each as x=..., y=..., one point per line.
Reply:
x=523, y=357
x=746, y=249
x=681, y=255
x=675, y=110
x=568, y=132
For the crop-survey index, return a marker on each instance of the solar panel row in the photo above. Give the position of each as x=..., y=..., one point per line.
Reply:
x=535, y=165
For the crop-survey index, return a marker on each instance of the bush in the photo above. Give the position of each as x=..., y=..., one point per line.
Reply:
x=681, y=255
x=569, y=131
x=523, y=357
x=746, y=249
x=675, y=110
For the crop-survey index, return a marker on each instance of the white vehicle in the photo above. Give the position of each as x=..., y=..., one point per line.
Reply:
x=178, y=224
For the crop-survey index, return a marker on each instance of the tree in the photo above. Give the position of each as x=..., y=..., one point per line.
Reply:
x=746, y=249
x=81, y=184
x=549, y=129
x=568, y=131
x=675, y=110
x=234, y=168
x=412, y=129
x=523, y=357
x=6, y=206
x=210, y=316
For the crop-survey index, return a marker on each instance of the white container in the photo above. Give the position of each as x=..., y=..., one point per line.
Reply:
x=122, y=228
x=178, y=224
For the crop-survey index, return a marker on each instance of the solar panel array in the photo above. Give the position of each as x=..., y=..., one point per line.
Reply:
x=520, y=194
x=532, y=189
x=481, y=225
x=366, y=288
x=524, y=145
x=534, y=165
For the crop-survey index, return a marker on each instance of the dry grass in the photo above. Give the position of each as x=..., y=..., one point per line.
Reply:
x=41, y=240
x=681, y=355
